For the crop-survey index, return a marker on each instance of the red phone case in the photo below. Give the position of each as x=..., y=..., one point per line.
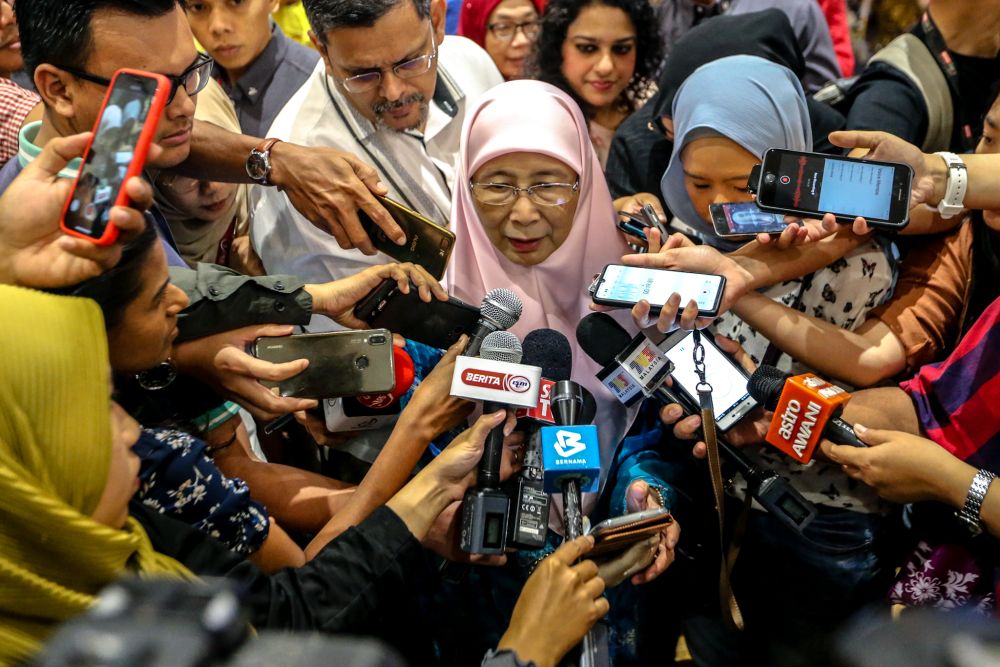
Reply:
x=138, y=163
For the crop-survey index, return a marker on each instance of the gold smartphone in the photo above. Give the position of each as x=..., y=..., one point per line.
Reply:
x=427, y=243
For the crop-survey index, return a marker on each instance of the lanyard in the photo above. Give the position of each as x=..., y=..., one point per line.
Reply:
x=730, y=609
x=937, y=47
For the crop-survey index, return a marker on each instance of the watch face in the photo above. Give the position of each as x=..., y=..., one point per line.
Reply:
x=257, y=165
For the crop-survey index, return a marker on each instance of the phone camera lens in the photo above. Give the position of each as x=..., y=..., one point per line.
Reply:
x=361, y=363
x=378, y=339
x=769, y=179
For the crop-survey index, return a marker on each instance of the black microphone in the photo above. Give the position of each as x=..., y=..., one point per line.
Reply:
x=633, y=368
x=500, y=310
x=767, y=384
x=569, y=404
x=603, y=339
x=529, y=517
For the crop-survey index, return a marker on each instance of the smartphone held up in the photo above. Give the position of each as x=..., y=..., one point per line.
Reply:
x=117, y=151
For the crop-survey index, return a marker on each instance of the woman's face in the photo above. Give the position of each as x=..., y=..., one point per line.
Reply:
x=123, y=474
x=207, y=201
x=598, y=56
x=510, y=53
x=716, y=171
x=147, y=330
x=525, y=231
x=990, y=143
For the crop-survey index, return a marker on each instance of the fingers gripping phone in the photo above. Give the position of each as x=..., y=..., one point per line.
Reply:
x=730, y=397
x=812, y=184
x=744, y=220
x=438, y=323
x=124, y=131
x=341, y=363
x=427, y=243
x=624, y=286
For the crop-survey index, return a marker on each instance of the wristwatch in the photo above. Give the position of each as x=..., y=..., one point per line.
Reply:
x=958, y=180
x=258, y=163
x=969, y=514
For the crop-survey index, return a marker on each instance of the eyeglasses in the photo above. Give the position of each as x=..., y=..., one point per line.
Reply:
x=506, y=31
x=408, y=69
x=193, y=79
x=543, y=194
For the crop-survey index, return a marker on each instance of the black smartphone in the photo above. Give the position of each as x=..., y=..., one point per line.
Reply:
x=744, y=220
x=811, y=184
x=341, y=363
x=438, y=323
x=624, y=286
x=427, y=243
x=730, y=397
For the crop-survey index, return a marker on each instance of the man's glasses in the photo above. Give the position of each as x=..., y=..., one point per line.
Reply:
x=506, y=31
x=193, y=79
x=408, y=69
x=543, y=194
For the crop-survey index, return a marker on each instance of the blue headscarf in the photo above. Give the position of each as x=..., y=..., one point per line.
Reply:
x=756, y=103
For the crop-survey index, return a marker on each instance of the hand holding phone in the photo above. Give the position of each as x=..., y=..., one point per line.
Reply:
x=427, y=243
x=810, y=185
x=624, y=286
x=744, y=220
x=117, y=151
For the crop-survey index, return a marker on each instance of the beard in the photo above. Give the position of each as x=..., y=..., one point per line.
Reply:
x=379, y=109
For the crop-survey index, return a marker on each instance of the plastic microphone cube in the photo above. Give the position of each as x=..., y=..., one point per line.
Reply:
x=478, y=379
x=806, y=404
x=571, y=452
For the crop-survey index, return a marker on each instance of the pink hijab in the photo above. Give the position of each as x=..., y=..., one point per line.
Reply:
x=535, y=117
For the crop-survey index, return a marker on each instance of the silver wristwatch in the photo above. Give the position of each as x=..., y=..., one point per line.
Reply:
x=258, y=163
x=969, y=514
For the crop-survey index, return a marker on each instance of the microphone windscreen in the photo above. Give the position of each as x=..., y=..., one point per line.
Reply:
x=501, y=346
x=549, y=350
x=502, y=307
x=601, y=337
x=766, y=384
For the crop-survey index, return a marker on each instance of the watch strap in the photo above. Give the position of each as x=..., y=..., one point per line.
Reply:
x=969, y=514
x=958, y=181
x=263, y=149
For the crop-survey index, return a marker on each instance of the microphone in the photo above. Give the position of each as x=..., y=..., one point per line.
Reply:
x=600, y=335
x=632, y=368
x=370, y=411
x=529, y=516
x=571, y=454
x=500, y=310
x=499, y=380
x=806, y=409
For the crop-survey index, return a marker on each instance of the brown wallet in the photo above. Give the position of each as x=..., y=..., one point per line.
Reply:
x=620, y=533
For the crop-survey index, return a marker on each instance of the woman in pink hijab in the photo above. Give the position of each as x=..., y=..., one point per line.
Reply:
x=532, y=213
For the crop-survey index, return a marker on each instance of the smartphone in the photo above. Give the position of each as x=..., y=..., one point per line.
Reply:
x=631, y=228
x=621, y=532
x=624, y=286
x=438, y=323
x=116, y=152
x=341, y=363
x=427, y=243
x=730, y=397
x=811, y=184
x=744, y=220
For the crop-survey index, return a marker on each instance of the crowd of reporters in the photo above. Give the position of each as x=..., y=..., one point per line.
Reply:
x=137, y=436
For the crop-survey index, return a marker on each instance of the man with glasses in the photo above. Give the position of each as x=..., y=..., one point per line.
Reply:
x=391, y=89
x=257, y=64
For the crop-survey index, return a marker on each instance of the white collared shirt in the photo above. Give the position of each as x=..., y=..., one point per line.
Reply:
x=418, y=169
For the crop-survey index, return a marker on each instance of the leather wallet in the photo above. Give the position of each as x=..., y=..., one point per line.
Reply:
x=622, y=532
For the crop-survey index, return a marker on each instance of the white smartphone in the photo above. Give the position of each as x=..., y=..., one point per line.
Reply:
x=730, y=397
x=624, y=286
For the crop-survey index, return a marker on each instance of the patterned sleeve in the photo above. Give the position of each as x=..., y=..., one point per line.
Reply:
x=15, y=105
x=178, y=479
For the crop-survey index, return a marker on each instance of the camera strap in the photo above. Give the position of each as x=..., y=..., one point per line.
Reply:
x=730, y=609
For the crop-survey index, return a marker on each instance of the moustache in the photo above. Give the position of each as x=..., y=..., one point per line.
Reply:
x=380, y=108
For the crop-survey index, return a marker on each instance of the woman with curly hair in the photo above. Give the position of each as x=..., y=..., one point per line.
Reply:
x=603, y=53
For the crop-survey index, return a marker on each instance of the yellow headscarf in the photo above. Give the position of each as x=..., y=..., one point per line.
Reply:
x=55, y=454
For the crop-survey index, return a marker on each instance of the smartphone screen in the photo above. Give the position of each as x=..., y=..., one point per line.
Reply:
x=729, y=383
x=746, y=219
x=630, y=284
x=110, y=154
x=845, y=187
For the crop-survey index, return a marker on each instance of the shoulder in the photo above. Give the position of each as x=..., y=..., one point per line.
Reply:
x=469, y=64
x=301, y=57
x=303, y=109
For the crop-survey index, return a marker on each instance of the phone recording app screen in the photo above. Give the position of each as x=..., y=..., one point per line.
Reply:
x=746, y=218
x=631, y=284
x=110, y=155
x=826, y=184
x=729, y=386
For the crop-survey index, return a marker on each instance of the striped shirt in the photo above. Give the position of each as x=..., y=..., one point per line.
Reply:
x=958, y=399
